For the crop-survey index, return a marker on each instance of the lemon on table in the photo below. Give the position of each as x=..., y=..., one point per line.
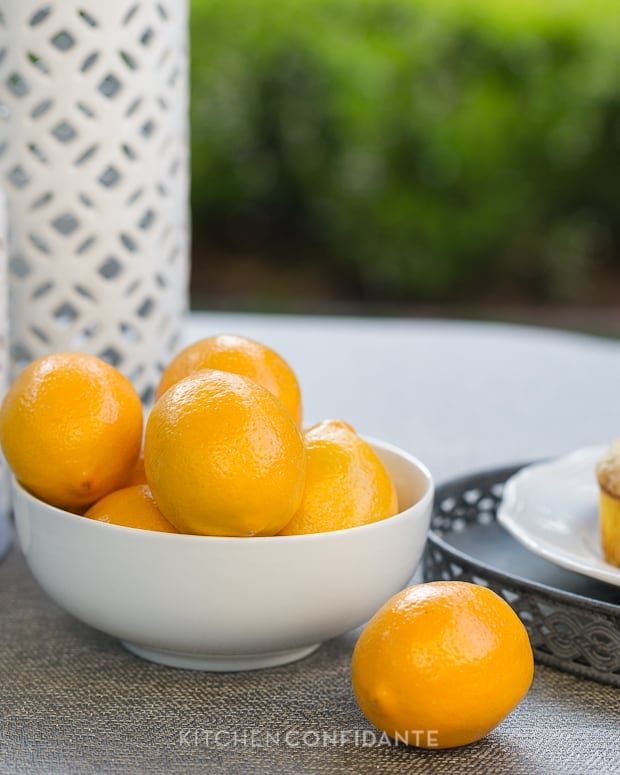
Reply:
x=223, y=456
x=71, y=428
x=239, y=355
x=441, y=664
x=347, y=485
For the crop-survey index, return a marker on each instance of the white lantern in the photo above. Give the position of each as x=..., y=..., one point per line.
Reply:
x=94, y=160
x=5, y=531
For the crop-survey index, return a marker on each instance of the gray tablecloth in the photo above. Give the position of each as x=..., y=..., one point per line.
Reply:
x=72, y=700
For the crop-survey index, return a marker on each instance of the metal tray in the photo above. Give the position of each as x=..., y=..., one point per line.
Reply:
x=573, y=621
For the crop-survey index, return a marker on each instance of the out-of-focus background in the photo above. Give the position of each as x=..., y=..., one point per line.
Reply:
x=449, y=157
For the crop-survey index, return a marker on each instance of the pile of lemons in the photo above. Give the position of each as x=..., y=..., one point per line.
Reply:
x=223, y=453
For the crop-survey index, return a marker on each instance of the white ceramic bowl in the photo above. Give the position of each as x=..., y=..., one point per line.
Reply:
x=213, y=603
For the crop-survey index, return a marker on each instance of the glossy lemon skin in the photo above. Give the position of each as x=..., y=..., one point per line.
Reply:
x=224, y=457
x=132, y=506
x=71, y=429
x=347, y=485
x=239, y=355
x=441, y=664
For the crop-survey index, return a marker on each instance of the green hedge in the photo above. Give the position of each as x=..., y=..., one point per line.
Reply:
x=428, y=147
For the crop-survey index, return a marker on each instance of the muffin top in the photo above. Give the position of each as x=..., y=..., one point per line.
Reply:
x=608, y=470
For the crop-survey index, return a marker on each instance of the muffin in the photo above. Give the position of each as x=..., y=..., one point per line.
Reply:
x=608, y=475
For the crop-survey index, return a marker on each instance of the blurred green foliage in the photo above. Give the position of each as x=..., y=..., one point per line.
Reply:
x=428, y=147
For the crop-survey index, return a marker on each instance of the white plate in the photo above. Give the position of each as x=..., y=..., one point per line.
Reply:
x=552, y=509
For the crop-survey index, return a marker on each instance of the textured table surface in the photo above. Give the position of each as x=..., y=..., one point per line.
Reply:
x=462, y=397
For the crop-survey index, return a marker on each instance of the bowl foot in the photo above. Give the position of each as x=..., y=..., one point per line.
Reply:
x=219, y=663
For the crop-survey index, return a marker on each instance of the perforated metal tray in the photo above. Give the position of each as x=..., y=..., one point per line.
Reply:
x=573, y=621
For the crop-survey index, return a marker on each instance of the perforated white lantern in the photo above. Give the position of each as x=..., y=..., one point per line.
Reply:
x=93, y=156
x=5, y=505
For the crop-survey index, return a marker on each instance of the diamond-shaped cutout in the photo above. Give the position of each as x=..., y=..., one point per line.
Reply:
x=112, y=356
x=110, y=177
x=90, y=60
x=65, y=224
x=110, y=268
x=86, y=155
x=133, y=107
x=38, y=62
x=83, y=291
x=85, y=246
x=87, y=18
x=19, y=267
x=21, y=355
x=129, y=152
x=147, y=307
x=130, y=14
x=40, y=16
x=110, y=86
x=40, y=334
x=64, y=132
x=65, y=314
x=174, y=77
x=147, y=129
x=42, y=201
x=39, y=243
x=63, y=40
x=147, y=220
x=133, y=287
x=86, y=200
x=83, y=108
x=18, y=176
x=134, y=196
x=129, y=242
x=147, y=395
x=41, y=290
x=129, y=333
x=41, y=108
x=17, y=85
x=147, y=36
x=175, y=255
x=81, y=337
x=37, y=152
x=128, y=60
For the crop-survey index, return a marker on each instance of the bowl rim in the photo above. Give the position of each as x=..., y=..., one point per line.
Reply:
x=420, y=505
